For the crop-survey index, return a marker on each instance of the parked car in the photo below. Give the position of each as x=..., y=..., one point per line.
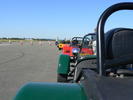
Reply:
x=68, y=61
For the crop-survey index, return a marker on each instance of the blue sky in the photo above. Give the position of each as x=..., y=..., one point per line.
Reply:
x=52, y=18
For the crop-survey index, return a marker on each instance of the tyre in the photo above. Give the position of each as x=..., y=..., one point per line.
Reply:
x=62, y=78
x=91, y=64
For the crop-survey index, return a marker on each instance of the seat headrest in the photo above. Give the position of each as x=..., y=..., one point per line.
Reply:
x=119, y=43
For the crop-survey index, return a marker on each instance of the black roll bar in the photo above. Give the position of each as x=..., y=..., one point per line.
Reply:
x=100, y=33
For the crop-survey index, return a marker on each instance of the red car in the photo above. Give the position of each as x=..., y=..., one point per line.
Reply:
x=75, y=43
x=83, y=45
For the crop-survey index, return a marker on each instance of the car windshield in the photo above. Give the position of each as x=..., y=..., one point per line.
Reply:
x=77, y=40
x=88, y=39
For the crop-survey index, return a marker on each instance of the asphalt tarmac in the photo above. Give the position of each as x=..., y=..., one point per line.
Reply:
x=20, y=64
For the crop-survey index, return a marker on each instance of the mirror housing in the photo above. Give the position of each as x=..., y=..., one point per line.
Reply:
x=75, y=51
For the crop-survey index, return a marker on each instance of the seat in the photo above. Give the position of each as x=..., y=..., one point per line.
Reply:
x=119, y=48
x=119, y=43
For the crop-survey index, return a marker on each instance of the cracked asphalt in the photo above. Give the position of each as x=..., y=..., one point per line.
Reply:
x=20, y=64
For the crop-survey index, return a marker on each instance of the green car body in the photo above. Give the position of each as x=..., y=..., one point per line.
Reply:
x=51, y=91
x=63, y=64
x=66, y=70
x=87, y=57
